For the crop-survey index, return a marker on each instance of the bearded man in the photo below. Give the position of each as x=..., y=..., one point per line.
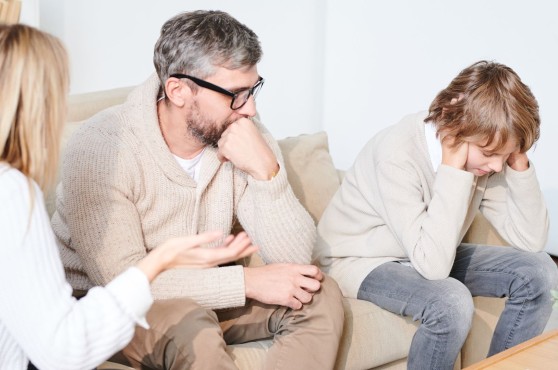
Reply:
x=183, y=155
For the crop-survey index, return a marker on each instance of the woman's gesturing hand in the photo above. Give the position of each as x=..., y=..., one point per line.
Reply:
x=187, y=252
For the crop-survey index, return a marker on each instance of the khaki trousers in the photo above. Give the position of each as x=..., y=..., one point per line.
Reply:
x=184, y=335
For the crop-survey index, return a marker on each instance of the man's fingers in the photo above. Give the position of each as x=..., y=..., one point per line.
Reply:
x=310, y=271
x=294, y=303
x=309, y=284
x=303, y=296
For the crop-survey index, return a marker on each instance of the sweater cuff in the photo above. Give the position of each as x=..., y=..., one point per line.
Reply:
x=232, y=287
x=453, y=179
x=522, y=183
x=132, y=290
x=274, y=187
x=529, y=172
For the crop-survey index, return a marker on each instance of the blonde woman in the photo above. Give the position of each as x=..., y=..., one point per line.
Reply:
x=40, y=321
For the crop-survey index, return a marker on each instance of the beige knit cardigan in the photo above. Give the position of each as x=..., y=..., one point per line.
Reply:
x=123, y=193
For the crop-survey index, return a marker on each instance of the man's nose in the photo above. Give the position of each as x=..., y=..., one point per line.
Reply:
x=249, y=109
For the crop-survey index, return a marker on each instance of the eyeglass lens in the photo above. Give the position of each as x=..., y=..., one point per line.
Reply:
x=243, y=96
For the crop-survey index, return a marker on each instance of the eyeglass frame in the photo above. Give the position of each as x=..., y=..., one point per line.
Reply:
x=252, y=91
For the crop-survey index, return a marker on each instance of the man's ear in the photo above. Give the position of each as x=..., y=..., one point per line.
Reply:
x=177, y=91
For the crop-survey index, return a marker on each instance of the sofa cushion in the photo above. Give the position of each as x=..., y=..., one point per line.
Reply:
x=482, y=232
x=373, y=336
x=250, y=355
x=310, y=171
x=83, y=106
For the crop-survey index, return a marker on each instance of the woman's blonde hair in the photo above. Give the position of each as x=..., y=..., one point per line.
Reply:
x=487, y=101
x=34, y=84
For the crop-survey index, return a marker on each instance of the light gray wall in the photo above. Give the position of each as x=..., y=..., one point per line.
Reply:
x=386, y=59
x=348, y=67
x=111, y=45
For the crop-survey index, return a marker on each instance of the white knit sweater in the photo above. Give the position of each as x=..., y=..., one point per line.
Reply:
x=39, y=319
x=393, y=206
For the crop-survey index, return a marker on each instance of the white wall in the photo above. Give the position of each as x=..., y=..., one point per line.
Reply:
x=348, y=67
x=111, y=45
x=29, y=14
x=386, y=59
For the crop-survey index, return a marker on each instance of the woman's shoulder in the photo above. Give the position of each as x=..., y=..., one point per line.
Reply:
x=10, y=177
x=15, y=186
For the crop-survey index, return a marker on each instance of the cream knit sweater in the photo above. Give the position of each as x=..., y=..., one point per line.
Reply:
x=39, y=318
x=123, y=194
x=392, y=205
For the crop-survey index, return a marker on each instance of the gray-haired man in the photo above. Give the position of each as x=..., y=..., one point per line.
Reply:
x=183, y=155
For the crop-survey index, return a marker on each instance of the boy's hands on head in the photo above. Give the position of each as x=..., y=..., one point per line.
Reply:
x=454, y=155
x=518, y=161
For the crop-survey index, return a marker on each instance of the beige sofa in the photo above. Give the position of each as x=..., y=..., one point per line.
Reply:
x=373, y=338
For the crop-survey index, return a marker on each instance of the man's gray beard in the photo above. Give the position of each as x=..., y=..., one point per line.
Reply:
x=208, y=134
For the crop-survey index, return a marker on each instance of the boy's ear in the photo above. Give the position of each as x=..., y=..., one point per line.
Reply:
x=177, y=92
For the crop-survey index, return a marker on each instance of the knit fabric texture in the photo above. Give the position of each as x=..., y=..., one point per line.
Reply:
x=393, y=205
x=39, y=318
x=122, y=194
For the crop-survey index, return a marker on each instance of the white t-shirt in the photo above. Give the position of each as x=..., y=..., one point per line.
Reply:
x=434, y=147
x=191, y=166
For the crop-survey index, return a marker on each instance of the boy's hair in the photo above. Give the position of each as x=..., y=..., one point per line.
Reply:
x=34, y=83
x=487, y=102
x=196, y=42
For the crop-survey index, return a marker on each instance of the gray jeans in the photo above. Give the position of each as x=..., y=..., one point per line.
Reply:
x=445, y=307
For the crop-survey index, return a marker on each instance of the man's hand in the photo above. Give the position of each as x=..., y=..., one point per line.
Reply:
x=243, y=145
x=288, y=285
x=518, y=161
x=454, y=155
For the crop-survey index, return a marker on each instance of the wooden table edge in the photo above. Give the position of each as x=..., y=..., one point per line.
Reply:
x=512, y=351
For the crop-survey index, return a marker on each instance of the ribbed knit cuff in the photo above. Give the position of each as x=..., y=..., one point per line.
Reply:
x=229, y=286
x=273, y=188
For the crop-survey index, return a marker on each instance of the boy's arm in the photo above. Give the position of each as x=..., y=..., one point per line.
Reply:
x=513, y=203
x=428, y=233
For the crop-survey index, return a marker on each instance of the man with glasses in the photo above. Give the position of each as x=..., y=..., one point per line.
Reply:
x=185, y=154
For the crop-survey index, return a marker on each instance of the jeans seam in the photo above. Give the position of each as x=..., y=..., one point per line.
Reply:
x=525, y=285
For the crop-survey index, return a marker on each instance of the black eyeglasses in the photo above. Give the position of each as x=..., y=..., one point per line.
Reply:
x=239, y=98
